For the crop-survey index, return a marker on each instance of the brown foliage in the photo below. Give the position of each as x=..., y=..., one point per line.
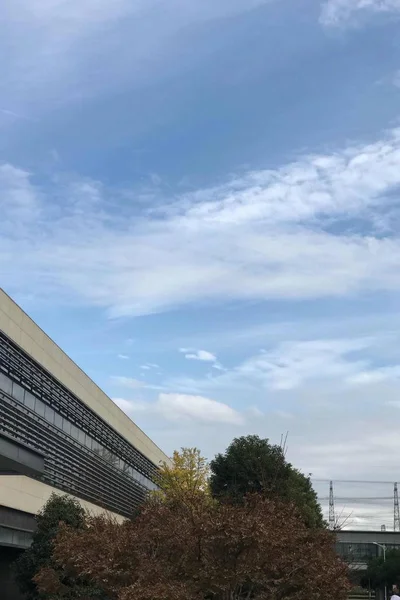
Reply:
x=258, y=550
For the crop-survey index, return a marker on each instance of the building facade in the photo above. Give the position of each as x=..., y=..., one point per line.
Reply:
x=357, y=548
x=59, y=432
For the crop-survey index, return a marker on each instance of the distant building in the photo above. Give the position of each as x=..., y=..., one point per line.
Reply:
x=59, y=432
x=358, y=547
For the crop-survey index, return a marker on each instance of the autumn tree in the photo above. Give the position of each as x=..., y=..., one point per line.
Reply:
x=257, y=549
x=58, y=509
x=185, y=479
x=253, y=465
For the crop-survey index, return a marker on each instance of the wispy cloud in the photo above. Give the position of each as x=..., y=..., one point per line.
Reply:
x=202, y=355
x=262, y=236
x=295, y=365
x=396, y=79
x=20, y=201
x=184, y=407
x=54, y=54
x=14, y=115
x=373, y=375
x=128, y=382
x=123, y=356
x=149, y=366
x=339, y=12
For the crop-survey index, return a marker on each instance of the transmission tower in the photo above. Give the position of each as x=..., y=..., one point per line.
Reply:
x=332, y=519
x=396, y=509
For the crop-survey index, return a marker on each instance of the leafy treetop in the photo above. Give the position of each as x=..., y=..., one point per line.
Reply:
x=253, y=465
x=186, y=479
x=58, y=509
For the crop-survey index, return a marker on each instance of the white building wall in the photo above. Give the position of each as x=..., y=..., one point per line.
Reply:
x=20, y=328
x=28, y=495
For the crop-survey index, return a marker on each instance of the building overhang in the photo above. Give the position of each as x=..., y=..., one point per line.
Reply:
x=19, y=459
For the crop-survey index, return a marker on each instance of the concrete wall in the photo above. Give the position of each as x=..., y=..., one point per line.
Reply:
x=23, y=331
x=28, y=495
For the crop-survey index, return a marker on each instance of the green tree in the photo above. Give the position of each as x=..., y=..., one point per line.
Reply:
x=58, y=509
x=252, y=465
x=380, y=573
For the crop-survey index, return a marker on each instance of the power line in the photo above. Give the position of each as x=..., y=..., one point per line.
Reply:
x=356, y=498
x=387, y=507
x=368, y=481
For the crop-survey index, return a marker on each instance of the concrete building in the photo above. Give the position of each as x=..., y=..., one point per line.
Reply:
x=59, y=433
x=358, y=547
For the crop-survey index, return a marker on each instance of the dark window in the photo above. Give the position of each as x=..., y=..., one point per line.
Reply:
x=74, y=432
x=5, y=383
x=67, y=426
x=96, y=447
x=58, y=421
x=30, y=400
x=18, y=392
x=39, y=407
x=49, y=414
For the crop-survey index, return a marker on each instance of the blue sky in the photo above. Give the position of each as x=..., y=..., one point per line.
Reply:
x=200, y=205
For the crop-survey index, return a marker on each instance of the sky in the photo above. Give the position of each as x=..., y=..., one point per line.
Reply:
x=200, y=204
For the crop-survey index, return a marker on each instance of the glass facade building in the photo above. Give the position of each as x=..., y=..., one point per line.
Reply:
x=82, y=454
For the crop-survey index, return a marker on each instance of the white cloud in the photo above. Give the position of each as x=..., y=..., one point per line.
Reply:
x=390, y=373
x=184, y=407
x=396, y=79
x=393, y=403
x=293, y=364
x=218, y=367
x=341, y=363
x=283, y=414
x=198, y=408
x=338, y=12
x=123, y=356
x=262, y=236
x=203, y=355
x=125, y=405
x=128, y=382
x=20, y=201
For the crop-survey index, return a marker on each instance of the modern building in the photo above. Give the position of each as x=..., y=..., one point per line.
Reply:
x=60, y=433
x=357, y=548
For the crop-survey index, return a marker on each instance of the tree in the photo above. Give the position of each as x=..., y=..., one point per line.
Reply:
x=382, y=572
x=253, y=465
x=186, y=479
x=39, y=555
x=258, y=549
